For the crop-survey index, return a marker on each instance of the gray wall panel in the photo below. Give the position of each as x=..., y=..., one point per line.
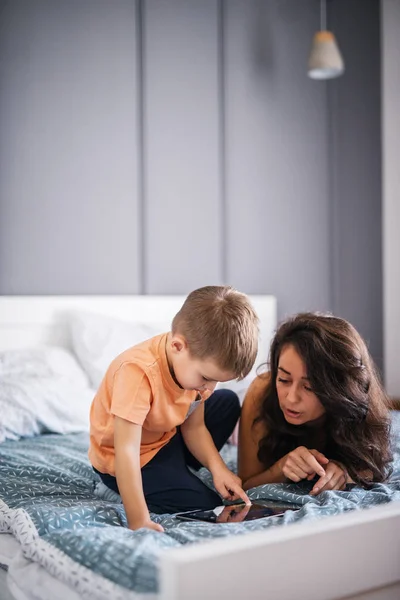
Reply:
x=181, y=145
x=68, y=147
x=355, y=109
x=391, y=191
x=276, y=155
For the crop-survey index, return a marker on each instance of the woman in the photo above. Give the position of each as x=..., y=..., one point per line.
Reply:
x=321, y=413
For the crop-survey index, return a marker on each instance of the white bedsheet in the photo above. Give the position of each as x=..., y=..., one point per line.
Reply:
x=5, y=593
x=29, y=581
x=8, y=548
x=26, y=580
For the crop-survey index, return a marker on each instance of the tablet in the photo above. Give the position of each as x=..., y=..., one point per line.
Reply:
x=236, y=513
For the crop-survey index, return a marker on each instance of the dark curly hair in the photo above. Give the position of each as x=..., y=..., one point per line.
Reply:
x=356, y=426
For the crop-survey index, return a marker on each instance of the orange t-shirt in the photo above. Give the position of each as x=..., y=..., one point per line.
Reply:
x=138, y=387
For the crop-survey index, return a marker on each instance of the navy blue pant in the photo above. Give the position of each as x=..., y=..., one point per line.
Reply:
x=168, y=485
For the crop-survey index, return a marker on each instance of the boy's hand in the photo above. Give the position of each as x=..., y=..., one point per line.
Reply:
x=147, y=523
x=229, y=485
x=233, y=514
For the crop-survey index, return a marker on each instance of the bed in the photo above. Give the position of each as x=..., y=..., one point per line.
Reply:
x=63, y=533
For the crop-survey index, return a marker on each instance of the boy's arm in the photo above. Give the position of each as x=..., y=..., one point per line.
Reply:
x=127, y=437
x=200, y=443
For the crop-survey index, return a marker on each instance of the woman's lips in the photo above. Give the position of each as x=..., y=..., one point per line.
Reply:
x=292, y=413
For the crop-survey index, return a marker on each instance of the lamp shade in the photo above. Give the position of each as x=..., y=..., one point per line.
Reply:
x=325, y=60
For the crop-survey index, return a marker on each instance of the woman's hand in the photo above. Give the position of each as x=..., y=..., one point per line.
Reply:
x=229, y=485
x=335, y=478
x=303, y=463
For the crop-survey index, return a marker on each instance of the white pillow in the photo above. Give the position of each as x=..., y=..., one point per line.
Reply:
x=42, y=361
x=98, y=339
x=42, y=390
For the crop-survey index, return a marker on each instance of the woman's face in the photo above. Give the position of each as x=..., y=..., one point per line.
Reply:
x=297, y=401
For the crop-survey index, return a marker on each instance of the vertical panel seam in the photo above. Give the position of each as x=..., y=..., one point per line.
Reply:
x=141, y=230
x=222, y=141
x=381, y=329
x=333, y=196
x=385, y=323
x=333, y=229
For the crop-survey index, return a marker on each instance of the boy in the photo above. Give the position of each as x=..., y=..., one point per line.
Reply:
x=151, y=389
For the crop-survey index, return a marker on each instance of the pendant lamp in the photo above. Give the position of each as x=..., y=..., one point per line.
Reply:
x=325, y=61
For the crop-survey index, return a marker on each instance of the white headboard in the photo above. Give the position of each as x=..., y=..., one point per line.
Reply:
x=35, y=320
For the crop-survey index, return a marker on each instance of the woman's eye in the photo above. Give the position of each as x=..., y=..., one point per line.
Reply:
x=308, y=389
x=281, y=380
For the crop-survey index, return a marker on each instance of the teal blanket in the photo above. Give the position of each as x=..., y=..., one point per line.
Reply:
x=54, y=504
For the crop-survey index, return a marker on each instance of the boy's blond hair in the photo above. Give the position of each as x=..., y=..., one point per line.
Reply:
x=219, y=323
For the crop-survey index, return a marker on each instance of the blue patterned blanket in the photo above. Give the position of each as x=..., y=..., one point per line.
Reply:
x=51, y=500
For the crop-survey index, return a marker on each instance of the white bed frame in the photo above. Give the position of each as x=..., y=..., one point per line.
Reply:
x=355, y=555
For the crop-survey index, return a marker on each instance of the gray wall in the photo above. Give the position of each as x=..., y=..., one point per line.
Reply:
x=156, y=146
x=391, y=190
x=355, y=159
x=68, y=147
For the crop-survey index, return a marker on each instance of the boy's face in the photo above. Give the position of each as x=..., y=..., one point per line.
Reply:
x=193, y=373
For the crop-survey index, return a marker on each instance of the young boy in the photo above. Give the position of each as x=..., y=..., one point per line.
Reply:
x=153, y=388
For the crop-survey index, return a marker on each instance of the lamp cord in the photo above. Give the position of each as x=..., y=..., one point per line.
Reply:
x=323, y=15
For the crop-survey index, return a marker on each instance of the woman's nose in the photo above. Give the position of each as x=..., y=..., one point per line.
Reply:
x=292, y=395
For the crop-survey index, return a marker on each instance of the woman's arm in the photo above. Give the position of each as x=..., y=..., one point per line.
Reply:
x=250, y=469
x=299, y=464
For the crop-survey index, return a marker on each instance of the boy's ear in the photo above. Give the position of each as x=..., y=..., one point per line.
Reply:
x=178, y=343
